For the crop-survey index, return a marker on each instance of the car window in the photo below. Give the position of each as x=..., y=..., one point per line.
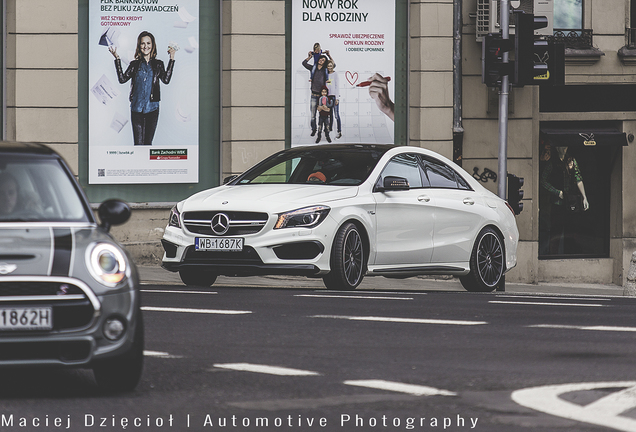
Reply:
x=461, y=182
x=439, y=174
x=404, y=165
x=317, y=165
x=279, y=173
x=38, y=190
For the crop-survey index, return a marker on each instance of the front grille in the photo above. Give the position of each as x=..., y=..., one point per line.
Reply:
x=12, y=289
x=72, y=309
x=241, y=223
x=64, y=351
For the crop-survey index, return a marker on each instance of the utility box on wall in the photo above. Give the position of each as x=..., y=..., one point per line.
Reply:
x=488, y=15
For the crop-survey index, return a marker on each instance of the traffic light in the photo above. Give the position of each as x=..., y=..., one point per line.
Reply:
x=515, y=194
x=493, y=47
x=553, y=55
x=530, y=61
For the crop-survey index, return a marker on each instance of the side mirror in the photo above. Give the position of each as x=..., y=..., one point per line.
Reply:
x=228, y=179
x=393, y=183
x=113, y=212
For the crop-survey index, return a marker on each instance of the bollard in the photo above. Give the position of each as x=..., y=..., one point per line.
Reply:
x=629, y=288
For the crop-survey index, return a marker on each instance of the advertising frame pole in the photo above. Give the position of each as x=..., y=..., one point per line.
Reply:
x=502, y=174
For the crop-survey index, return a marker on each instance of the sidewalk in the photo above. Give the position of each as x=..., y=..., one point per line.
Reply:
x=152, y=275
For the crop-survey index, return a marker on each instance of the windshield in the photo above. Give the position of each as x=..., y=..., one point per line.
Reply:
x=344, y=166
x=38, y=190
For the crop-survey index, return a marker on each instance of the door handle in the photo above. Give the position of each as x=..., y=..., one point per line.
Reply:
x=469, y=201
x=423, y=198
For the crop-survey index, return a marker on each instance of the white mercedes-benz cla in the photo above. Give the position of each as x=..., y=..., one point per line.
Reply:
x=342, y=212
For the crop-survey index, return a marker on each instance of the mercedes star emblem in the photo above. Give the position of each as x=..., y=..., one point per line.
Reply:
x=220, y=223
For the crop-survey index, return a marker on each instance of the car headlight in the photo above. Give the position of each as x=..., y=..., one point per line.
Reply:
x=107, y=264
x=175, y=218
x=307, y=217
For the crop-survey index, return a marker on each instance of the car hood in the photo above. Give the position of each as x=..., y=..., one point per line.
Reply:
x=265, y=197
x=46, y=251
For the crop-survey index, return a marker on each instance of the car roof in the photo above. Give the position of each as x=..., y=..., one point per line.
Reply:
x=381, y=147
x=26, y=149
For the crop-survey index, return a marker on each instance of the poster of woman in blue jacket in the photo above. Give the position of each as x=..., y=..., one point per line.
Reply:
x=146, y=72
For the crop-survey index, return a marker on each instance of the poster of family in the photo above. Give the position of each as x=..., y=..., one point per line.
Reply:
x=343, y=59
x=143, y=91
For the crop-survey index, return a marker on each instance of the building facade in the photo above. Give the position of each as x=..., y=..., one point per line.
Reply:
x=559, y=137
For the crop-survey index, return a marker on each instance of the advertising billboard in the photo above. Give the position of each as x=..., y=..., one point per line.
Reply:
x=343, y=62
x=143, y=91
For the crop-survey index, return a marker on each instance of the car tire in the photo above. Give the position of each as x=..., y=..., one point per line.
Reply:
x=487, y=263
x=197, y=278
x=122, y=374
x=348, y=259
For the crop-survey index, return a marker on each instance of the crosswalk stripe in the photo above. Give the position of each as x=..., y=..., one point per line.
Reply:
x=546, y=303
x=176, y=292
x=401, y=320
x=519, y=297
x=353, y=297
x=416, y=390
x=594, y=328
x=271, y=370
x=197, y=311
x=160, y=354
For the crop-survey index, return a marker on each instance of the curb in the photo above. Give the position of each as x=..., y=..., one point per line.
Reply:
x=630, y=281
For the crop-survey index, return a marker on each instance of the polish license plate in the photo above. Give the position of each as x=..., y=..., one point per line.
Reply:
x=26, y=318
x=229, y=244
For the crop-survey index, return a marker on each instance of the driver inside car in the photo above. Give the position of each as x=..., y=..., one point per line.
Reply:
x=11, y=200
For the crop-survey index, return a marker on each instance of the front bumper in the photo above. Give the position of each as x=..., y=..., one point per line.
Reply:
x=246, y=263
x=73, y=341
x=293, y=251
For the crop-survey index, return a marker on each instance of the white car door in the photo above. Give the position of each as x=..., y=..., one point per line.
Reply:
x=457, y=213
x=404, y=218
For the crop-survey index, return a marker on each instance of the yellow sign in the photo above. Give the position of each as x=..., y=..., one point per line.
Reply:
x=588, y=139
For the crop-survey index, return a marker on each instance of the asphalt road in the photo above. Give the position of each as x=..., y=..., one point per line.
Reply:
x=314, y=360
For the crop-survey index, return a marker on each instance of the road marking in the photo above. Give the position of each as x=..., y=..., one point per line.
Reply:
x=271, y=370
x=603, y=412
x=553, y=297
x=546, y=304
x=160, y=354
x=595, y=328
x=400, y=320
x=374, y=292
x=416, y=390
x=198, y=311
x=353, y=297
x=177, y=292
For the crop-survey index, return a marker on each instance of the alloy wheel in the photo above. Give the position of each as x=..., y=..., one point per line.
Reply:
x=490, y=261
x=353, y=256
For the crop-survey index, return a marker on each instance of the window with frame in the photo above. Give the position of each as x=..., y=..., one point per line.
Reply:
x=568, y=14
x=405, y=166
x=441, y=175
x=632, y=24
